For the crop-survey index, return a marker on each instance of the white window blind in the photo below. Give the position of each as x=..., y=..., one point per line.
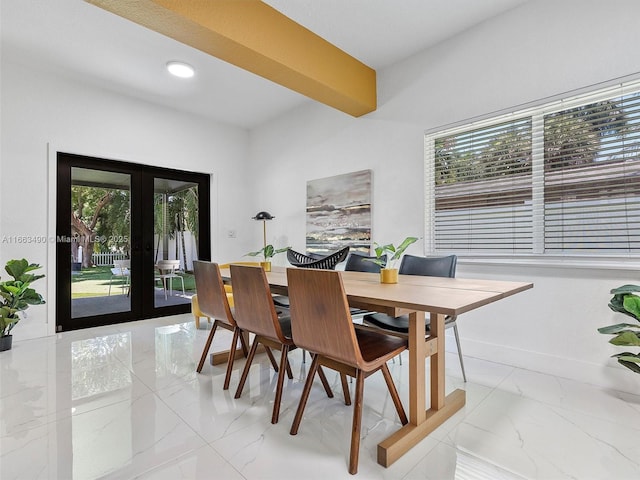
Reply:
x=483, y=189
x=560, y=179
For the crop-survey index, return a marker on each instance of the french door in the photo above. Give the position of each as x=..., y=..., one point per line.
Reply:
x=127, y=235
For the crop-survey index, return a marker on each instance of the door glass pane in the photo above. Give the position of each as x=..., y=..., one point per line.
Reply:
x=175, y=240
x=100, y=242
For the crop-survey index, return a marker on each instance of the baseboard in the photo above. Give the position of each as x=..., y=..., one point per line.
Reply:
x=610, y=376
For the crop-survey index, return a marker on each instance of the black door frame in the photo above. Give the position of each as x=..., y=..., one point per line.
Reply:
x=142, y=236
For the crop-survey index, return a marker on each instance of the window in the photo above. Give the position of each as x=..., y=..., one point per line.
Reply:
x=559, y=179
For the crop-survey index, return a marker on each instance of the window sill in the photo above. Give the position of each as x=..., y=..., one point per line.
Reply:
x=598, y=263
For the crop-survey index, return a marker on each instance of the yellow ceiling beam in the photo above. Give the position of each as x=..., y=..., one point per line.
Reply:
x=254, y=36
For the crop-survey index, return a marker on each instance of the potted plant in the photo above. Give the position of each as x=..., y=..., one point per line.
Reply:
x=16, y=297
x=388, y=269
x=626, y=334
x=267, y=252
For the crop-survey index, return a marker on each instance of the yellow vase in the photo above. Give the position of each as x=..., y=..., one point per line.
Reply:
x=389, y=275
x=266, y=266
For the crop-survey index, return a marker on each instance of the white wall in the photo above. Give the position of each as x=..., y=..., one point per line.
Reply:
x=544, y=48
x=39, y=108
x=541, y=49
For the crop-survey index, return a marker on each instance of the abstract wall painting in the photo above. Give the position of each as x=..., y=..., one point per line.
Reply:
x=339, y=213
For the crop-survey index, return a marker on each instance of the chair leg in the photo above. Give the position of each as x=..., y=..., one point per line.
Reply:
x=325, y=383
x=207, y=346
x=271, y=357
x=243, y=344
x=232, y=357
x=345, y=389
x=357, y=424
x=197, y=319
x=455, y=332
x=289, y=372
x=247, y=366
x=284, y=366
x=394, y=394
x=305, y=395
x=181, y=281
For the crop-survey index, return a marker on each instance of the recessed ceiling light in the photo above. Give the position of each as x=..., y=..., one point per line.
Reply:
x=181, y=69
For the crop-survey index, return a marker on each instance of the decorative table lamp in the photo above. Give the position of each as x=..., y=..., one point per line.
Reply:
x=264, y=216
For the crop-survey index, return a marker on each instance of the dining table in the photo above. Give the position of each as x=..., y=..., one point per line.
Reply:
x=417, y=296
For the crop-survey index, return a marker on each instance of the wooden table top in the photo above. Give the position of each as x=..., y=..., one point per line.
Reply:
x=449, y=296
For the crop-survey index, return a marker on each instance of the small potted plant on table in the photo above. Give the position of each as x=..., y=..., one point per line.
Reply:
x=16, y=297
x=388, y=269
x=267, y=252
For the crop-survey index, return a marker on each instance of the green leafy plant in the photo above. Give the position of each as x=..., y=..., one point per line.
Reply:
x=626, y=334
x=393, y=253
x=17, y=294
x=267, y=252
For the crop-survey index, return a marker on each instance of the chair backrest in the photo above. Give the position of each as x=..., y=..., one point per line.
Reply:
x=429, y=266
x=360, y=263
x=168, y=266
x=121, y=267
x=328, y=262
x=298, y=259
x=212, y=297
x=253, y=303
x=320, y=319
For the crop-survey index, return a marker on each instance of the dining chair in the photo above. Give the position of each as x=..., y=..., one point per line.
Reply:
x=213, y=303
x=328, y=262
x=197, y=313
x=255, y=312
x=121, y=270
x=426, y=266
x=227, y=286
x=167, y=271
x=356, y=262
x=195, y=308
x=312, y=260
x=321, y=323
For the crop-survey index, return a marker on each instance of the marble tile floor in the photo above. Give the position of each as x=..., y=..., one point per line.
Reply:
x=124, y=401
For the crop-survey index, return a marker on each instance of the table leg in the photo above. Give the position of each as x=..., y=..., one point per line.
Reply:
x=417, y=370
x=422, y=422
x=437, y=362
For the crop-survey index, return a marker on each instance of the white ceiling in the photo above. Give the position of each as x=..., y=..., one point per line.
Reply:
x=74, y=38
